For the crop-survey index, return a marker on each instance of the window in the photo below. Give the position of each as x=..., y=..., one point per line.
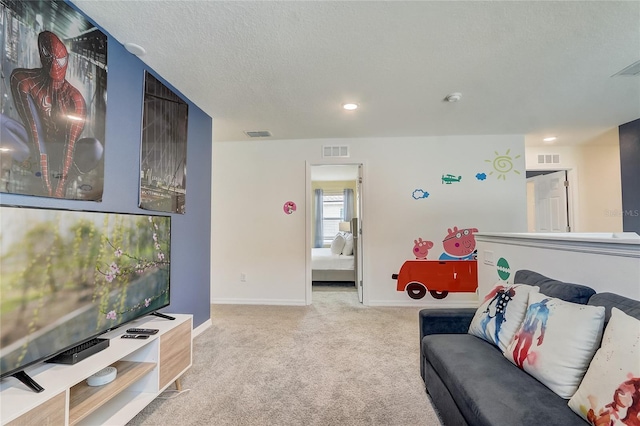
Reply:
x=332, y=208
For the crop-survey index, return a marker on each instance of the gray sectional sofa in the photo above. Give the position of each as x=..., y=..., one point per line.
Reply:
x=469, y=380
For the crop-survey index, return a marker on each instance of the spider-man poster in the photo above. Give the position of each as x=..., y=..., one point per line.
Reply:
x=53, y=101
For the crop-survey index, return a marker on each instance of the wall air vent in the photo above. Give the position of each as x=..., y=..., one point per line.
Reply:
x=335, y=151
x=258, y=134
x=632, y=70
x=548, y=158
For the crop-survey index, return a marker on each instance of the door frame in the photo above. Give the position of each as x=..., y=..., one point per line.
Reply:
x=309, y=227
x=572, y=191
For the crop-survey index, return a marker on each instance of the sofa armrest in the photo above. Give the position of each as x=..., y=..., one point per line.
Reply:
x=445, y=321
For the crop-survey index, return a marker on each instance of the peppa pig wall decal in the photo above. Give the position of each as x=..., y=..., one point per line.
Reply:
x=456, y=271
x=421, y=248
x=459, y=244
x=289, y=207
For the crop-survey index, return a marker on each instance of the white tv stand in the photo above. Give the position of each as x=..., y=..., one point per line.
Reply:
x=145, y=369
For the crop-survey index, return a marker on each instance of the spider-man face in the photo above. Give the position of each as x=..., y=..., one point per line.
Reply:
x=53, y=55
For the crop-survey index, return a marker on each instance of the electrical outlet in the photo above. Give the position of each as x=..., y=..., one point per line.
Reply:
x=488, y=258
x=243, y=277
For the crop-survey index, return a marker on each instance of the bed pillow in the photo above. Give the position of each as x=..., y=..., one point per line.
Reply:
x=337, y=244
x=556, y=342
x=612, y=382
x=348, y=245
x=501, y=313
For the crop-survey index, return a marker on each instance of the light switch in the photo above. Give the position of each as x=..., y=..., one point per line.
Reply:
x=488, y=258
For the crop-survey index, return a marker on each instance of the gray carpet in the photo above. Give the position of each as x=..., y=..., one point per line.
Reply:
x=334, y=362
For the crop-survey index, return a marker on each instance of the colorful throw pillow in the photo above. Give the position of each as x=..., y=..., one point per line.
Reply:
x=610, y=391
x=337, y=244
x=556, y=342
x=500, y=314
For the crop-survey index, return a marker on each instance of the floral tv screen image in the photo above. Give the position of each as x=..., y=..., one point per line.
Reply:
x=67, y=276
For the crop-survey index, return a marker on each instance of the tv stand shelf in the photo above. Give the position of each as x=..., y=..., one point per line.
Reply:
x=86, y=399
x=145, y=369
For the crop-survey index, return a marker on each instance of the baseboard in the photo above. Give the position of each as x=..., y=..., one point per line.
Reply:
x=423, y=305
x=199, y=329
x=281, y=302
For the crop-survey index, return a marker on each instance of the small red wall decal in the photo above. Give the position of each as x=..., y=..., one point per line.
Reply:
x=289, y=207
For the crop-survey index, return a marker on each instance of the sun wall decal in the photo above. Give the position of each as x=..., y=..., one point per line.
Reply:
x=503, y=164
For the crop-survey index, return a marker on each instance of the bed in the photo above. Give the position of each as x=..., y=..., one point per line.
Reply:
x=337, y=263
x=327, y=266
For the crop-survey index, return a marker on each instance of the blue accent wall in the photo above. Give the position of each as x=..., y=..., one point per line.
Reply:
x=190, y=233
x=630, y=175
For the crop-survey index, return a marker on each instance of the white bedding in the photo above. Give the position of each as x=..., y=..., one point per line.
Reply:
x=323, y=259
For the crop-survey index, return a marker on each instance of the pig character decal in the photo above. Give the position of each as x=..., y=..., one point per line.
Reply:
x=459, y=244
x=421, y=248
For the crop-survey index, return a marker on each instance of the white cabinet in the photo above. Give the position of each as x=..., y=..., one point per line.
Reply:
x=145, y=369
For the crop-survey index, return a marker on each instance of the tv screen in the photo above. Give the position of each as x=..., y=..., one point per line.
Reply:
x=69, y=276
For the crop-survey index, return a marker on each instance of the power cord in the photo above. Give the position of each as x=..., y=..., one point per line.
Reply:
x=176, y=393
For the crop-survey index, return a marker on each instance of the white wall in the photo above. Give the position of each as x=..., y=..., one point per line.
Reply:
x=569, y=160
x=252, y=235
x=601, y=186
x=594, y=177
x=606, y=265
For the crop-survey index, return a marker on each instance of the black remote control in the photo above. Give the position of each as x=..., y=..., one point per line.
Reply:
x=142, y=330
x=135, y=336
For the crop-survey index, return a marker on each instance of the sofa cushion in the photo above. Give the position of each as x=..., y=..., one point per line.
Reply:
x=575, y=293
x=488, y=389
x=609, y=300
x=556, y=342
x=501, y=313
x=612, y=381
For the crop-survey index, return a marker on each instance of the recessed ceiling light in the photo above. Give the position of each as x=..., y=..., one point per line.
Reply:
x=550, y=139
x=350, y=106
x=135, y=49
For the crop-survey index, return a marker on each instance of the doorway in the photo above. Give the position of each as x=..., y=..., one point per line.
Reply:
x=548, y=201
x=334, y=230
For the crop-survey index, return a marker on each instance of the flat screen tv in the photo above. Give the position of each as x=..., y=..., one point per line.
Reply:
x=68, y=276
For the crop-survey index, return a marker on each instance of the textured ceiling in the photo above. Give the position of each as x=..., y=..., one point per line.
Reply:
x=523, y=67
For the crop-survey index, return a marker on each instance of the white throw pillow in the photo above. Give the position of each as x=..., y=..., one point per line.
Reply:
x=337, y=244
x=499, y=316
x=612, y=383
x=348, y=245
x=556, y=341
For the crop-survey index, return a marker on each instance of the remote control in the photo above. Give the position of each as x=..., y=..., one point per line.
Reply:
x=142, y=330
x=135, y=336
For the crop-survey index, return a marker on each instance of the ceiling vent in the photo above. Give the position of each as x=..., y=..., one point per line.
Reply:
x=258, y=134
x=631, y=70
x=549, y=159
x=335, y=151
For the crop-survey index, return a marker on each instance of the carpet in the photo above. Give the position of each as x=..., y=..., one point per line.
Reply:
x=335, y=362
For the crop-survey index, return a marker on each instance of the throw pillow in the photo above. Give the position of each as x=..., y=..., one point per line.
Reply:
x=348, y=245
x=610, y=391
x=337, y=244
x=556, y=341
x=501, y=313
